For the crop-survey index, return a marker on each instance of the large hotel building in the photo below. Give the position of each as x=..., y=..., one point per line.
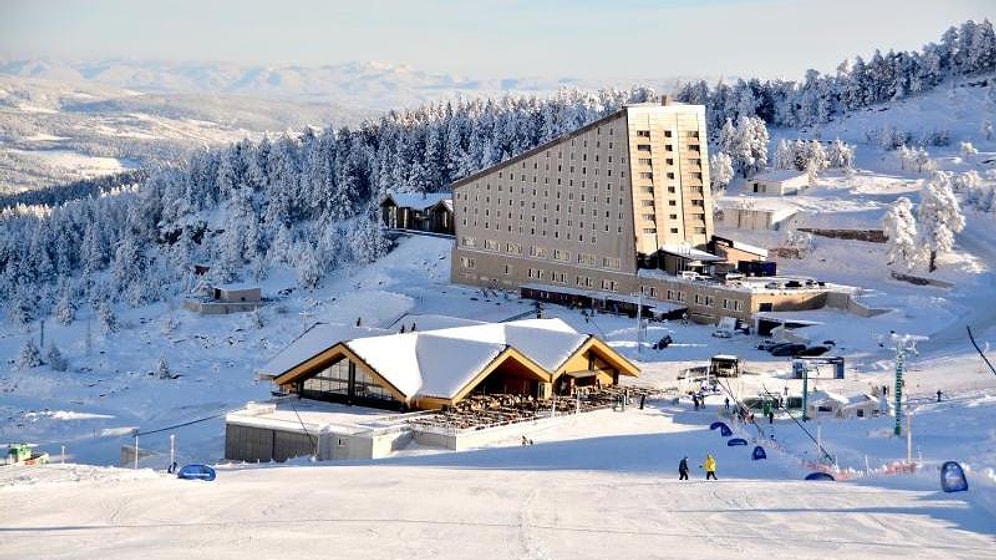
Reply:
x=606, y=208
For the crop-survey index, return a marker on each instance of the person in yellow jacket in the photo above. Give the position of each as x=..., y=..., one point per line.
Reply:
x=710, y=467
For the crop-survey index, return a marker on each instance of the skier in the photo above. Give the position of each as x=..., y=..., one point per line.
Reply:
x=726, y=402
x=683, y=468
x=710, y=467
x=939, y=393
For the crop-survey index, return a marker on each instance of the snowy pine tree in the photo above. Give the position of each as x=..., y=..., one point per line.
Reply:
x=55, y=359
x=106, y=317
x=65, y=310
x=29, y=357
x=162, y=369
x=939, y=218
x=899, y=226
x=720, y=170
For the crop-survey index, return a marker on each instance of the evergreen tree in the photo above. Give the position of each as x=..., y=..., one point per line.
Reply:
x=720, y=170
x=899, y=226
x=65, y=310
x=106, y=317
x=162, y=369
x=29, y=357
x=55, y=359
x=939, y=218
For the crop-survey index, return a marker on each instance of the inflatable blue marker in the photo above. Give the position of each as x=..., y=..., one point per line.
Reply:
x=725, y=431
x=736, y=441
x=953, y=477
x=196, y=472
x=819, y=476
x=758, y=453
x=716, y=425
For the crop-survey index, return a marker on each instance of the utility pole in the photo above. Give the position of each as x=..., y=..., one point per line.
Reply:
x=904, y=345
x=639, y=319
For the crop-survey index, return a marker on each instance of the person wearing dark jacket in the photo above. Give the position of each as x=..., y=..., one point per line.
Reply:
x=683, y=469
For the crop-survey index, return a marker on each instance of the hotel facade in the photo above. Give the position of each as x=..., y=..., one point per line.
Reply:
x=602, y=209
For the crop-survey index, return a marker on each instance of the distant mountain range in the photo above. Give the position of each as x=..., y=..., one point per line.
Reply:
x=62, y=120
x=372, y=85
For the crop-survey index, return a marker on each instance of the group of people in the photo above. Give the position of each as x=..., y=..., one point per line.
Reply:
x=709, y=465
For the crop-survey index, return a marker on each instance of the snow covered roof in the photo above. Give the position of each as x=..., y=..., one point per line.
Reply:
x=690, y=252
x=441, y=363
x=776, y=175
x=819, y=397
x=318, y=337
x=421, y=201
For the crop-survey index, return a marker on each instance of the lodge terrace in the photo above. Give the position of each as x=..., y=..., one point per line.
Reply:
x=457, y=387
x=433, y=370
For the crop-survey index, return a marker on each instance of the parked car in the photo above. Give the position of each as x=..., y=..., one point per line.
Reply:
x=814, y=351
x=768, y=344
x=722, y=333
x=777, y=345
x=790, y=349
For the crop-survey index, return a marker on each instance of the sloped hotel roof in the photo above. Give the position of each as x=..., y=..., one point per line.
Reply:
x=421, y=201
x=441, y=363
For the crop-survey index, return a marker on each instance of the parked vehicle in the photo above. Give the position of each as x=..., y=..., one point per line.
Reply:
x=768, y=344
x=722, y=333
x=790, y=349
x=814, y=351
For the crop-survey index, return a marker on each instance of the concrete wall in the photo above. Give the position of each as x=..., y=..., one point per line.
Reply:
x=258, y=444
x=847, y=302
x=212, y=308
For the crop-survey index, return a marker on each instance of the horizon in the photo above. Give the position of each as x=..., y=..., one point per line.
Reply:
x=509, y=39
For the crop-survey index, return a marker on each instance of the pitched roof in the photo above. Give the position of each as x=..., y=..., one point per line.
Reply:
x=421, y=201
x=318, y=337
x=440, y=363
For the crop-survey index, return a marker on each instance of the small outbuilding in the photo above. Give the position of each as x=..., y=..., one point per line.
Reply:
x=779, y=182
x=431, y=212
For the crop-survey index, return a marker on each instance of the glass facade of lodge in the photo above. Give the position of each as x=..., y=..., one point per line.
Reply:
x=344, y=382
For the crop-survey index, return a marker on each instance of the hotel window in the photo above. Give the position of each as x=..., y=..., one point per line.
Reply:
x=674, y=230
x=491, y=245
x=646, y=202
x=646, y=175
x=609, y=285
x=650, y=217
x=468, y=242
x=645, y=161
x=468, y=262
x=668, y=148
x=649, y=230
x=508, y=269
x=667, y=134
x=643, y=148
x=672, y=216
x=643, y=133
x=669, y=161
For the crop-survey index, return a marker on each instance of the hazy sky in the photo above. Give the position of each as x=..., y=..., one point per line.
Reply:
x=500, y=38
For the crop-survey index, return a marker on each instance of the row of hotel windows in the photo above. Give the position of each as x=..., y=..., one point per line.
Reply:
x=585, y=259
x=543, y=232
x=470, y=263
x=465, y=195
x=532, y=203
x=668, y=134
x=704, y=300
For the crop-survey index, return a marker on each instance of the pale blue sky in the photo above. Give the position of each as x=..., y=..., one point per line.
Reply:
x=500, y=38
